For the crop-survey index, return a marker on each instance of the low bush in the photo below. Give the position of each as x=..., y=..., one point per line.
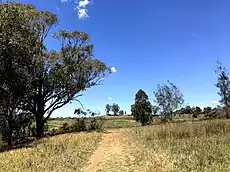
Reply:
x=65, y=127
x=96, y=123
x=79, y=124
x=195, y=115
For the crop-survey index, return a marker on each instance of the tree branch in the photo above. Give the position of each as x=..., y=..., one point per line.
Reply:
x=56, y=107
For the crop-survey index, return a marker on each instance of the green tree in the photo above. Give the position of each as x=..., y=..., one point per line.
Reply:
x=18, y=45
x=121, y=112
x=155, y=110
x=223, y=84
x=142, y=108
x=115, y=108
x=198, y=110
x=182, y=111
x=57, y=77
x=107, y=108
x=169, y=98
x=188, y=110
x=207, y=110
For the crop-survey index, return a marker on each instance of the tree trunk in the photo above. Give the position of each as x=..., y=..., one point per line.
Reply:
x=39, y=126
x=171, y=115
x=10, y=129
x=227, y=112
x=40, y=112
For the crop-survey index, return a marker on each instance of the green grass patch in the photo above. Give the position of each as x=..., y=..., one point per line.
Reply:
x=109, y=123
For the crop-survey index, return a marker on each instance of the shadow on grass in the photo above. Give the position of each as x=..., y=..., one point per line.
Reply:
x=26, y=143
x=33, y=141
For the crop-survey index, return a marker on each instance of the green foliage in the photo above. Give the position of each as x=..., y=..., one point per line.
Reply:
x=223, y=84
x=155, y=110
x=96, y=124
x=207, y=110
x=169, y=98
x=142, y=108
x=18, y=46
x=86, y=124
x=115, y=108
x=121, y=112
x=198, y=110
x=79, y=124
x=34, y=78
x=90, y=123
x=107, y=108
x=65, y=127
x=186, y=110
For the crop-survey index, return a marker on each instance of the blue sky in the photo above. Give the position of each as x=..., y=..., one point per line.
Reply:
x=149, y=42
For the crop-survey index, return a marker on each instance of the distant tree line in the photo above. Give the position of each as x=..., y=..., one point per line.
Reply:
x=36, y=81
x=115, y=108
x=169, y=100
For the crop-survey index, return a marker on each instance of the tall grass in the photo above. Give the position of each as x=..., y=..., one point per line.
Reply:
x=68, y=152
x=198, y=146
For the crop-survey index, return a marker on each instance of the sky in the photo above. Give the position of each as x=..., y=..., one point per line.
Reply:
x=147, y=43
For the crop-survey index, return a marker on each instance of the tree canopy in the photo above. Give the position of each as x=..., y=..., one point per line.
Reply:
x=223, y=84
x=169, y=98
x=41, y=80
x=115, y=108
x=142, y=108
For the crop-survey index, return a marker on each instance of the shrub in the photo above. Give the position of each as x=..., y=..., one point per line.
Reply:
x=96, y=124
x=195, y=115
x=87, y=124
x=46, y=127
x=65, y=127
x=53, y=132
x=79, y=125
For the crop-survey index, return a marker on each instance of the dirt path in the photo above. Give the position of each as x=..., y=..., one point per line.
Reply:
x=111, y=154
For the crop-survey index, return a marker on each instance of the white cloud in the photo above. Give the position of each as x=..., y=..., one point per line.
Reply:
x=110, y=98
x=113, y=69
x=83, y=3
x=81, y=8
x=82, y=13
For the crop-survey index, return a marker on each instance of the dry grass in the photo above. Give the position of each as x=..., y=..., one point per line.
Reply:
x=202, y=146
x=199, y=146
x=68, y=152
